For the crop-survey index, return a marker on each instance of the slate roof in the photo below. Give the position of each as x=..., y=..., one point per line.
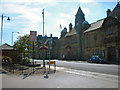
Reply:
x=95, y=25
x=73, y=32
x=116, y=12
x=6, y=47
x=79, y=11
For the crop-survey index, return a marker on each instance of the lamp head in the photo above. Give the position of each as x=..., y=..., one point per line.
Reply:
x=8, y=19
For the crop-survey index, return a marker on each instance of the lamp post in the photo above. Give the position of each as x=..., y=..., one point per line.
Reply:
x=12, y=36
x=2, y=17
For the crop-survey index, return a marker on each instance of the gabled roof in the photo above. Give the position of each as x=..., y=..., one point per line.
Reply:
x=116, y=12
x=6, y=47
x=95, y=25
x=73, y=32
x=47, y=41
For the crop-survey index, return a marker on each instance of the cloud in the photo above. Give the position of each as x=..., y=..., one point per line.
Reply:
x=26, y=15
x=63, y=22
x=65, y=15
x=85, y=1
x=23, y=12
x=23, y=18
x=63, y=19
x=86, y=11
x=28, y=1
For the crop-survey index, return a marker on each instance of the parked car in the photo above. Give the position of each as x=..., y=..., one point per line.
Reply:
x=97, y=59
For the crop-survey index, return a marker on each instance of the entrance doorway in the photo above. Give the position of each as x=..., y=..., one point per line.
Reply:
x=112, y=54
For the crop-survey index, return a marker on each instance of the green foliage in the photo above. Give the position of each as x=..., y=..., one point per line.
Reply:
x=22, y=46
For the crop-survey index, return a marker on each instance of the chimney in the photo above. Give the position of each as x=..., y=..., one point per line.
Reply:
x=108, y=12
x=50, y=35
x=70, y=27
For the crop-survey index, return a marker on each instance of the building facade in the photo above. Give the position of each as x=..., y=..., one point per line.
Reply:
x=9, y=51
x=71, y=43
x=102, y=38
x=50, y=43
x=84, y=40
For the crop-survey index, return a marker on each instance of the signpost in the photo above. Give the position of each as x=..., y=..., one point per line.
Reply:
x=33, y=35
x=33, y=38
x=52, y=62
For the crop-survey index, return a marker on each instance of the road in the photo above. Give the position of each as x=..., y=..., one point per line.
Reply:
x=60, y=79
x=84, y=66
x=68, y=75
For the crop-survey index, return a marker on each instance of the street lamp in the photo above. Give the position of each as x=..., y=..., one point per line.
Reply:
x=2, y=17
x=12, y=36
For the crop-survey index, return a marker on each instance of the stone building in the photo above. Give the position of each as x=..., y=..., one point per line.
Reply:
x=84, y=40
x=9, y=51
x=102, y=38
x=71, y=42
x=50, y=42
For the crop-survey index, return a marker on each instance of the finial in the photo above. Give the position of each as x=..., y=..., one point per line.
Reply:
x=79, y=4
x=118, y=1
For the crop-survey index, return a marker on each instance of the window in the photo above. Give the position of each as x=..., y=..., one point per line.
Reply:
x=115, y=29
x=103, y=53
x=107, y=31
x=88, y=42
x=111, y=30
x=95, y=36
x=96, y=51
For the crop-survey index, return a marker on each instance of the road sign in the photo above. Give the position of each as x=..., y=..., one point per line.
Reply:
x=51, y=62
x=29, y=44
x=33, y=35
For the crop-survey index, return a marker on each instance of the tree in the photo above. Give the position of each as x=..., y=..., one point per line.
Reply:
x=24, y=46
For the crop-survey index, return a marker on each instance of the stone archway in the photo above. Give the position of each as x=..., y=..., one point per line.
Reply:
x=68, y=52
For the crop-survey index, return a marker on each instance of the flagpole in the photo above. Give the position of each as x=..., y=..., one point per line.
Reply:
x=60, y=27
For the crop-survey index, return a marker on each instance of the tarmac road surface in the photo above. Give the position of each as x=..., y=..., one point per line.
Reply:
x=84, y=66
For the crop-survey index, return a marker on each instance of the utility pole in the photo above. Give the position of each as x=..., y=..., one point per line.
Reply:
x=1, y=28
x=43, y=21
x=12, y=37
x=44, y=38
x=33, y=56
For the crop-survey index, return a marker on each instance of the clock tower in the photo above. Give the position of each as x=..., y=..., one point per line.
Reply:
x=79, y=19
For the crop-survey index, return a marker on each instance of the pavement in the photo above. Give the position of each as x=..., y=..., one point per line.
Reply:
x=62, y=78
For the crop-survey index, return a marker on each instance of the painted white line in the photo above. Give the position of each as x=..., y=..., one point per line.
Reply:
x=57, y=68
x=94, y=75
x=88, y=74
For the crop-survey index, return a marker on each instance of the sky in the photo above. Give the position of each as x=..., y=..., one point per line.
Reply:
x=26, y=15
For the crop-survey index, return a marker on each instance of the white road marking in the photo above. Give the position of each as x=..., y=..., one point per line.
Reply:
x=94, y=75
x=87, y=73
